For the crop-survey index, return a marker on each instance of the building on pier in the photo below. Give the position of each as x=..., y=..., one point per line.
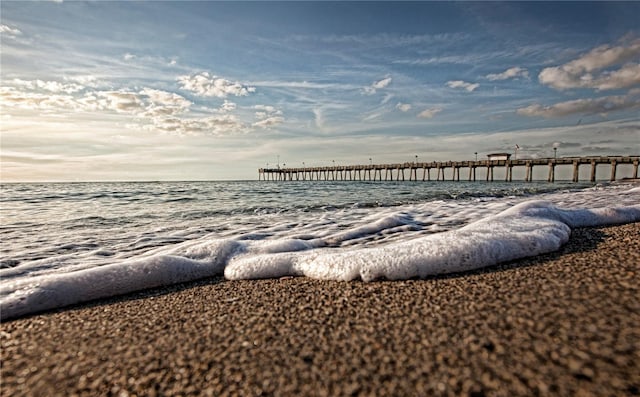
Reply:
x=499, y=156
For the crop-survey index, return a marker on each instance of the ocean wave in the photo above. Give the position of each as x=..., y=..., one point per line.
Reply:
x=526, y=229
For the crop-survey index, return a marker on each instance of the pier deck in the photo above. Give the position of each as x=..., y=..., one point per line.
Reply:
x=423, y=170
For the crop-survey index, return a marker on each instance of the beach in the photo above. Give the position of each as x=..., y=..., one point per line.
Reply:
x=564, y=323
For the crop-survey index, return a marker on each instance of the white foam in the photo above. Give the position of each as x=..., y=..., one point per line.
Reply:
x=526, y=229
x=35, y=294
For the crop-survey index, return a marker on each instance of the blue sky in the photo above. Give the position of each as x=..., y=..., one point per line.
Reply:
x=214, y=90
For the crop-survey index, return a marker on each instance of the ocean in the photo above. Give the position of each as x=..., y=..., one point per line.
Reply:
x=65, y=243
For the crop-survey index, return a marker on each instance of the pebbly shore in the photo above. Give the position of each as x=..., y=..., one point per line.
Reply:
x=566, y=323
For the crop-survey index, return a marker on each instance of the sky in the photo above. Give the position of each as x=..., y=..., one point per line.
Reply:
x=142, y=91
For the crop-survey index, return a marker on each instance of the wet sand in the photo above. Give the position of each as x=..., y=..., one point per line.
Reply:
x=566, y=323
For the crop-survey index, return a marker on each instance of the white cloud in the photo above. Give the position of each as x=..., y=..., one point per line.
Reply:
x=403, y=107
x=51, y=86
x=266, y=108
x=303, y=85
x=159, y=103
x=319, y=118
x=589, y=71
x=164, y=98
x=601, y=106
x=55, y=86
x=223, y=124
x=119, y=101
x=9, y=31
x=269, y=122
x=429, y=113
x=85, y=80
x=386, y=99
x=470, y=87
x=268, y=116
x=510, y=73
x=228, y=106
x=376, y=85
x=203, y=84
x=10, y=97
x=128, y=56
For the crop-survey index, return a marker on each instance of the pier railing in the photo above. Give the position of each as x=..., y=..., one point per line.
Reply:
x=423, y=170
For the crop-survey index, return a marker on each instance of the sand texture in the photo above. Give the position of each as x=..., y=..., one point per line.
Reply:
x=566, y=323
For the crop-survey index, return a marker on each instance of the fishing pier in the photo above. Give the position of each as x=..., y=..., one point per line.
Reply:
x=438, y=170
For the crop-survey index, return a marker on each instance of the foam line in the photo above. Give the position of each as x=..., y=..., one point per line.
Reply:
x=527, y=229
x=41, y=293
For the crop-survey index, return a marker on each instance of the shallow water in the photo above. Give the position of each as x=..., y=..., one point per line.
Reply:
x=129, y=236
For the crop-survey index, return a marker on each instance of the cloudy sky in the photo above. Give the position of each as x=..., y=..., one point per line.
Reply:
x=214, y=90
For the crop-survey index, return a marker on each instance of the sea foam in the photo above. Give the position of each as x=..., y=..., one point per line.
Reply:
x=526, y=229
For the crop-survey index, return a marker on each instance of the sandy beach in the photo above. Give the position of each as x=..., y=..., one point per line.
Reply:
x=566, y=323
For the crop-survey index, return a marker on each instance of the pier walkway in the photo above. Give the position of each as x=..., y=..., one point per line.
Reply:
x=415, y=171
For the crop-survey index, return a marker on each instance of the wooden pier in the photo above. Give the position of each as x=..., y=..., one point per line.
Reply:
x=416, y=171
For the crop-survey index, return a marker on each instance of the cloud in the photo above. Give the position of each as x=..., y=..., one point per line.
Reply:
x=9, y=31
x=463, y=84
x=164, y=98
x=600, y=106
x=590, y=70
x=303, y=85
x=403, y=107
x=128, y=56
x=319, y=119
x=211, y=125
x=429, y=113
x=376, y=85
x=162, y=103
x=268, y=116
x=269, y=122
x=84, y=80
x=203, y=84
x=510, y=73
x=228, y=106
x=148, y=109
x=120, y=101
x=51, y=86
x=10, y=97
x=386, y=99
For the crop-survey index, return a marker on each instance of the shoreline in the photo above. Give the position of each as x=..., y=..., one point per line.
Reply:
x=563, y=323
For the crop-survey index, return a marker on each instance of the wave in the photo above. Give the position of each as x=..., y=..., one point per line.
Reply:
x=527, y=229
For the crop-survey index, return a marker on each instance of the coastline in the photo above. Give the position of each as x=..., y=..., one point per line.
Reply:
x=564, y=323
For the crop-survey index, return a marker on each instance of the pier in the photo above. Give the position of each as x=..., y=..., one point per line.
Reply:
x=435, y=170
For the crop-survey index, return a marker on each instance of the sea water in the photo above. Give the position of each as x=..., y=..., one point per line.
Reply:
x=64, y=243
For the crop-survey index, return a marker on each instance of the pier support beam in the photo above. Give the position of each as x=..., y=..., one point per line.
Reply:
x=508, y=172
x=489, y=173
x=552, y=172
x=576, y=171
x=614, y=165
x=472, y=173
x=635, y=169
